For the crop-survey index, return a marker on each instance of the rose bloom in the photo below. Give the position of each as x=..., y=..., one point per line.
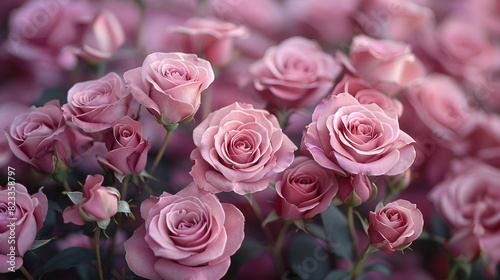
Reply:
x=469, y=201
x=210, y=38
x=395, y=226
x=238, y=149
x=189, y=235
x=169, y=85
x=351, y=138
x=355, y=189
x=304, y=189
x=94, y=105
x=41, y=134
x=127, y=149
x=294, y=74
x=98, y=203
x=29, y=212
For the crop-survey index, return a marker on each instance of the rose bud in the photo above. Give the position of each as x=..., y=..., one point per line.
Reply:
x=304, y=189
x=395, y=226
x=169, y=85
x=356, y=189
x=127, y=149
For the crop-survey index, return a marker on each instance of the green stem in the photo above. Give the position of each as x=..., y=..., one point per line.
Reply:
x=159, y=155
x=358, y=266
x=25, y=273
x=352, y=230
x=66, y=186
x=98, y=253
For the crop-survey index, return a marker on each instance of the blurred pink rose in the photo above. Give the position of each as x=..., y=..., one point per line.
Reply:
x=355, y=189
x=29, y=213
x=238, y=149
x=304, y=189
x=189, y=235
x=94, y=105
x=41, y=134
x=386, y=62
x=294, y=74
x=127, y=149
x=211, y=39
x=395, y=226
x=97, y=203
x=485, y=11
x=169, y=85
x=351, y=138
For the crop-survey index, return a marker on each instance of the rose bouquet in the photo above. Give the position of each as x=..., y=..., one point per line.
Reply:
x=231, y=139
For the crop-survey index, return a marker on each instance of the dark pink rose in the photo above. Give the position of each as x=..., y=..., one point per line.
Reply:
x=40, y=136
x=94, y=105
x=238, y=149
x=95, y=203
x=28, y=214
x=127, y=149
x=211, y=39
x=395, y=226
x=352, y=138
x=169, y=85
x=304, y=189
x=189, y=235
x=355, y=189
x=294, y=74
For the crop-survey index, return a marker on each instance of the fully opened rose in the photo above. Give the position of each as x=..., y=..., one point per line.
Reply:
x=169, y=85
x=238, y=149
x=189, y=235
x=351, y=138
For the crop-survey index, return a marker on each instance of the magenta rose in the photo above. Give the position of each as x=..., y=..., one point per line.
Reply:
x=351, y=138
x=27, y=213
x=189, y=235
x=355, y=189
x=210, y=38
x=169, y=85
x=95, y=203
x=304, y=189
x=395, y=226
x=40, y=136
x=94, y=105
x=238, y=149
x=294, y=74
x=127, y=149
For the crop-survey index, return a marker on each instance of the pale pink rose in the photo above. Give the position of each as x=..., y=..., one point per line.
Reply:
x=352, y=138
x=304, y=189
x=169, y=85
x=366, y=94
x=102, y=37
x=395, y=226
x=355, y=189
x=127, y=149
x=211, y=39
x=94, y=105
x=41, y=135
x=28, y=213
x=485, y=11
x=238, y=149
x=8, y=111
x=189, y=235
x=294, y=74
x=98, y=203
x=387, y=63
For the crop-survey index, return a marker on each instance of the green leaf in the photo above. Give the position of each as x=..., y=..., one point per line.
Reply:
x=364, y=221
x=103, y=224
x=337, y=232
x=316, y=230
x=378, y=267
x=123, y=207
x=120, y=177
x=68, y=258
x=39, y=243
x=76, y=197
x=273, y=216
x=338, y=275
x=307, y=258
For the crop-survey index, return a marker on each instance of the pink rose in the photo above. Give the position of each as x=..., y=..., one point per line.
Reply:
x=238, y=149
x=304, y=189
x=351, y=138
x=210, y=38
x=27, y=214
x=8, y=111
x=294, y=74
x=96, y=203
x=386, y=62
x=127, y=149
x=190, y=235
x=169, y=85
x=41, y=135
x=94, y=105
x=395, y=226
x=355, y=189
